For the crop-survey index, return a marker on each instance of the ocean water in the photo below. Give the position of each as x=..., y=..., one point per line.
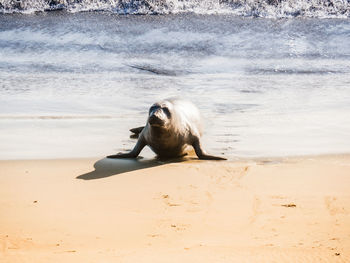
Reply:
x=270, y=79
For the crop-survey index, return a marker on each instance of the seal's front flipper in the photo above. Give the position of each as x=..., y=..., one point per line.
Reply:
x=211, y=157
x=122, y=155
x=202, y=154
x=134, y=153
x=137, y=130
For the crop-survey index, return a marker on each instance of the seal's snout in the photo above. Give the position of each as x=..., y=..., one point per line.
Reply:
x=154, y=120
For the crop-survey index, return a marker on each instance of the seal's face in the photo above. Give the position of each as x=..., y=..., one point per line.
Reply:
x=159, y=115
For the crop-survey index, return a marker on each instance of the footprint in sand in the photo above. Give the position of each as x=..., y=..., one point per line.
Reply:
x=167, y=201
x=333, y=206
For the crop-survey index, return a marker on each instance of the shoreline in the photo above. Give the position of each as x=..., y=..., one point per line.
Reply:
x=192, y=157
x=93, y=210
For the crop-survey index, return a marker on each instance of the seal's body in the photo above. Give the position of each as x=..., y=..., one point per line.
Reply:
x=171, y=127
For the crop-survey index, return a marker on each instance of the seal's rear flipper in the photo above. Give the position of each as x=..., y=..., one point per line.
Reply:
x=137, y=130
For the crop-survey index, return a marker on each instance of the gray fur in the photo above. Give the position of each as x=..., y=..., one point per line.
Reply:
x=172, y=126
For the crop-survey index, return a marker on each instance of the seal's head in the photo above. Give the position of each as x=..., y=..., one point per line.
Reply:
x=160, y=114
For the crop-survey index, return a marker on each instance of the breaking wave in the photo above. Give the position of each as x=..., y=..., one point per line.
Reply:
x=249, y=8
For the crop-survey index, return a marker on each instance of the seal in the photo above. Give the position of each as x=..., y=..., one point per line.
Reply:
x=172, y=125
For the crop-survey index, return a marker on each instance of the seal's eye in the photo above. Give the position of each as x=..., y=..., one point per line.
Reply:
x=153, y=108
x=166, y=111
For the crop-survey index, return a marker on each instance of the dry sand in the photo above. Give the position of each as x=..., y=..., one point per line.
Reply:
x=278, y=210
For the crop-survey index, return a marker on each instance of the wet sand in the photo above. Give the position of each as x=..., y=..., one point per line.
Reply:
x=99, y=210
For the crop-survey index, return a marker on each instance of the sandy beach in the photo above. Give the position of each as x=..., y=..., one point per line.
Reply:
x=101, y=210
x=271, y=82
